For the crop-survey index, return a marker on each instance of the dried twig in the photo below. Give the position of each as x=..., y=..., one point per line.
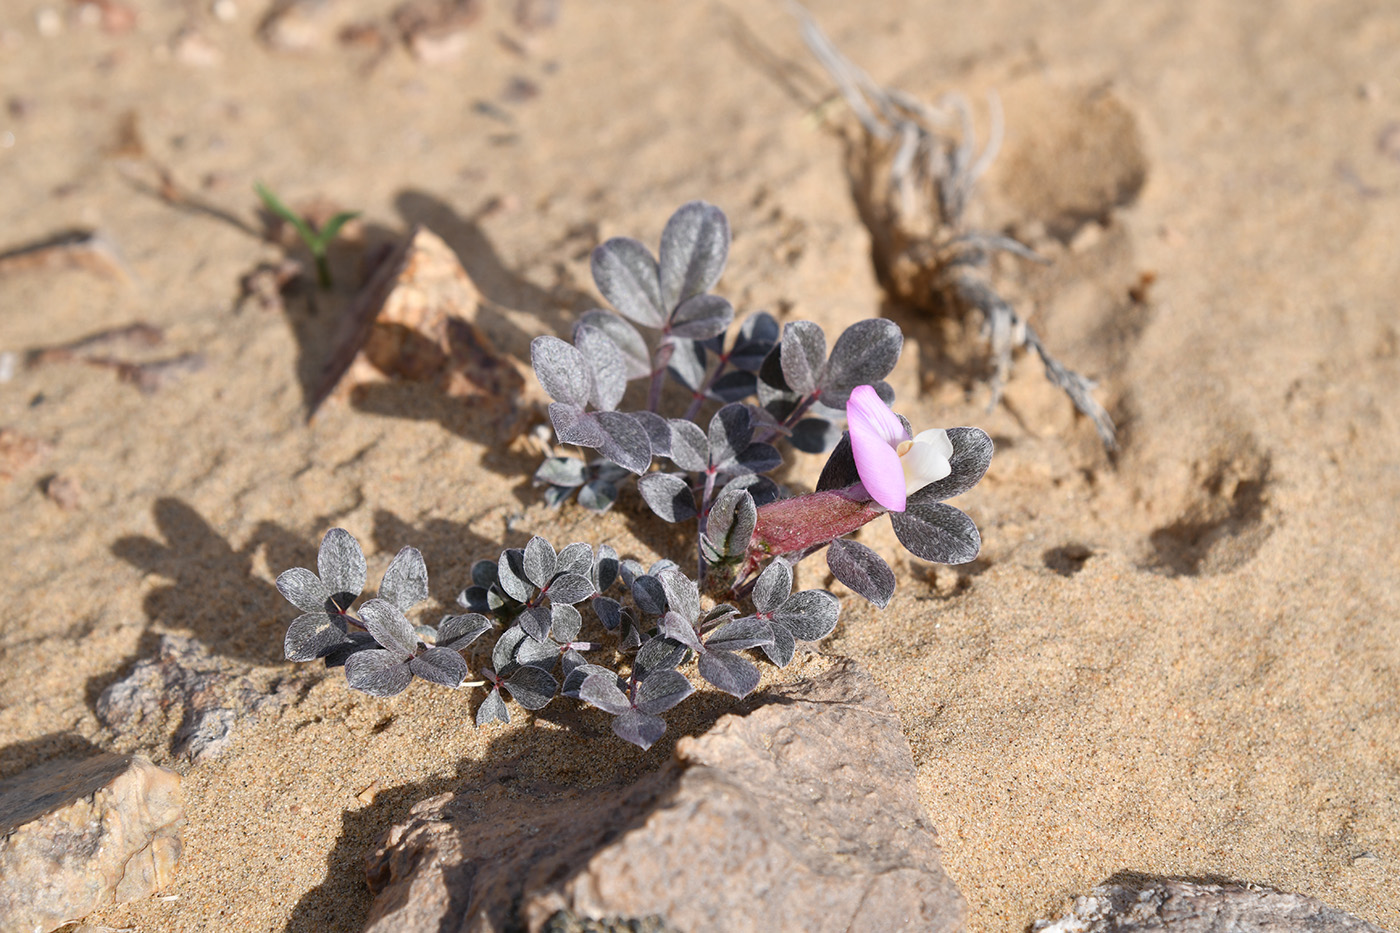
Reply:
x=916, y=170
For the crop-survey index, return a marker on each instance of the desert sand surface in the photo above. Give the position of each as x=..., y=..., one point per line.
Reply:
x=1181, y=658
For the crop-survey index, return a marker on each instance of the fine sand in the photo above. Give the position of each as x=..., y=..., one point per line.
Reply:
x=1181, y=659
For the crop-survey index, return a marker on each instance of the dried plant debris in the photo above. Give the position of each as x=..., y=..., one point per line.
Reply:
x=100, y=350
x=915, y=168
x=410, y=322
x=268, y=285
x=74, y=249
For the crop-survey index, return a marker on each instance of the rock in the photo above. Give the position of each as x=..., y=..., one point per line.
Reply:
x=78, y=835
x=1174, y=906
x=410, y=323
x=801, y=815
x=209, y=694
x=19, y=451
x=436, y=31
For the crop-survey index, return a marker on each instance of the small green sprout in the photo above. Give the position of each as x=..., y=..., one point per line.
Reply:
x=316, y=241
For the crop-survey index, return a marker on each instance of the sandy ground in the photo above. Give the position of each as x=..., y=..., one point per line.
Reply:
x=1182, y=659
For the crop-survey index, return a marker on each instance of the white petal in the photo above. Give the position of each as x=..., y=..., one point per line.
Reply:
x=923, y=464
x=937, y=437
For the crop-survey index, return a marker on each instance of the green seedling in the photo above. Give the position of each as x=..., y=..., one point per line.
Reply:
x=317, y=241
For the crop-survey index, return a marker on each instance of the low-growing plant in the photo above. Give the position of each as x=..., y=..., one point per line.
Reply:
x=772, y=389
x=317, y=242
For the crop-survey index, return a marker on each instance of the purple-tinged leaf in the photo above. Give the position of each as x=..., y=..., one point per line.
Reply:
x=682, y=595
x=503, y=652
x=354, y=643
x=566, y=624
x=739, y=634
x=860, y=568
x=341, y=564
x=484, y=573
x=734, y=675
x=562, y=370
x=688, y=363
x=732, y=521
x=937, y=532
x=658, y=654
x=457, y=632
x=313, y=635
x=626, y=274
x=625, y=441
x=597, y=496
x=608, y=367
x=773, y=586
x=840, y=470
x=755, y=458
x=605, y=569
x=609, y=612
x=649, y=595
x=734, y=386
x=535, y=621
x=601, y=690
x=576, y=674
x=639, y=728
x=531, y=687
x=570, y=588
x=815, y=435
x=662, y=690
x=561, y=471
x=774, y=394
x=510, y=575
x=629, y=342
x=492, y=708
x=810, y=614
x=803, y=356
x=406, y=581
x=676, y=627
x=387, y=624
x=757, y=337
x=780, y=652
x=668, y=495
x=972, y=454
x=575, y=558
x=440, y=666
x=539, y=561
x=304, y=589
x=377, y=672
x=761, y=488
x=690, y=448
x=694, y=248
x=541, y=654
x=864, y=354
x=658, y=432
x=702, y=317
x=731, y=431
x=476, y=599
x=573, y=425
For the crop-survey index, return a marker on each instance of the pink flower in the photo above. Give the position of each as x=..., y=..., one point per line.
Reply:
x=890, y=463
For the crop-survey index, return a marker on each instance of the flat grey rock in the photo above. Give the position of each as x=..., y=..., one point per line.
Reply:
x=1174, y=906
x=801, y=815
x=76, y=835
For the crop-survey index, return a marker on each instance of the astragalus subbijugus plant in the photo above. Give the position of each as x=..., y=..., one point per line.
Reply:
x=744, y=402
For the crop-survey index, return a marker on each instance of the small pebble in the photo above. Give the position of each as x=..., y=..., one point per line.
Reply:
x=65, y=491
x=48, y=21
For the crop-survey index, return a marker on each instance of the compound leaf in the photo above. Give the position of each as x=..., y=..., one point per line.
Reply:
x=702, y=317
x=341, y=564
x=313, y=635
x=304, y=589
x=694, y=248
x=406, y=581
x=668, y=495
x=803, y=356
x=662, y=690
x=441, y=666
x=531, y=687
x=625, y=441
x=729, y=672
x=387, y=624
x=810, y=614
x=773, y=586
x=639, y=728
x=562, y=369
x=493, y=707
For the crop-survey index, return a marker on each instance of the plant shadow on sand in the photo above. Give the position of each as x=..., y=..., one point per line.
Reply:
x=521, y=772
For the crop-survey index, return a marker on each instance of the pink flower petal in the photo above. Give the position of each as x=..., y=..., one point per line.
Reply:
x=879, y=467
x=867, y=412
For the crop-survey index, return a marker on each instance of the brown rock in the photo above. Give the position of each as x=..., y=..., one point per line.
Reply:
x=410, y=323
x=801, y=815
x=78, y=835
x=1176, y=906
